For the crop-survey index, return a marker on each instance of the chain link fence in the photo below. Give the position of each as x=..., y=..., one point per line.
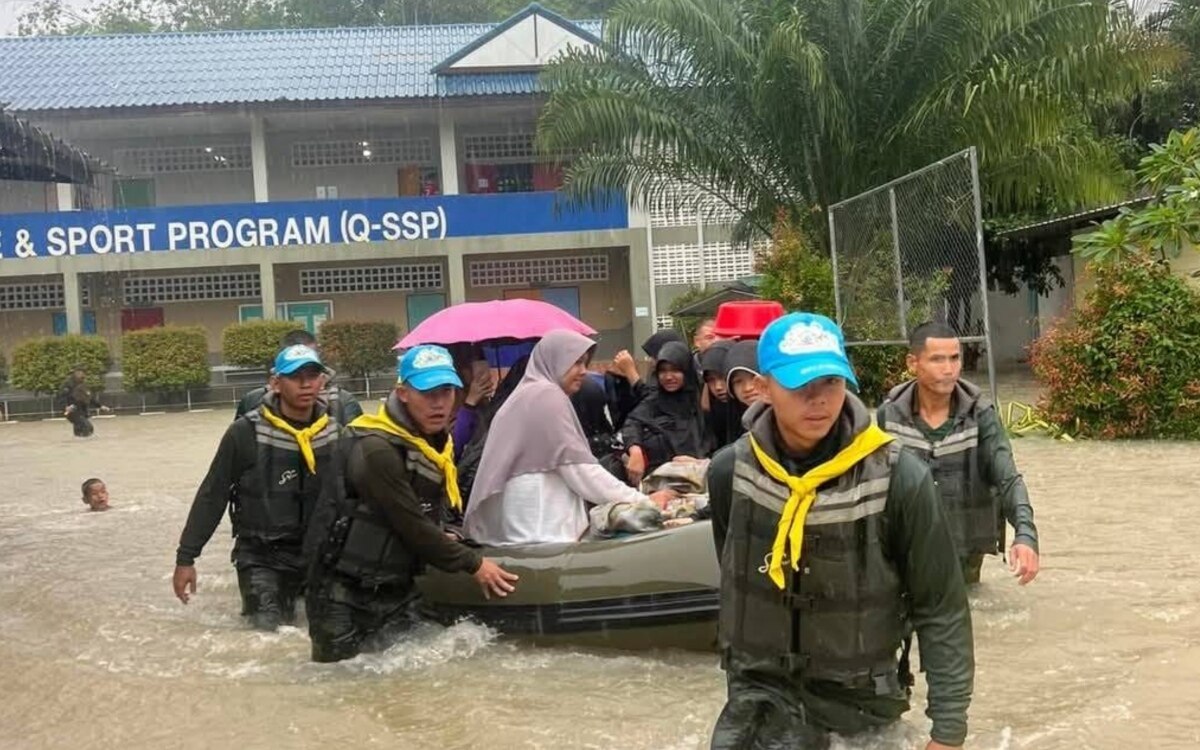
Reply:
x=911, y=251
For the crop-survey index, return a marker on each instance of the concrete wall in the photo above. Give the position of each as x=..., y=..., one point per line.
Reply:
x=606, y=306
x=388, y=306
x=27, y=197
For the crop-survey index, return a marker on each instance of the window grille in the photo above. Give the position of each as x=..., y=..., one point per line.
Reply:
x=409, y=277
x=154, y=290
x=523, y=272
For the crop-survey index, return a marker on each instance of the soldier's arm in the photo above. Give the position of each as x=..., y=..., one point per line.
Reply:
x=1000, y=471
x=925, y=551
x=377, y=471
x=720, y=494
x=233, y=454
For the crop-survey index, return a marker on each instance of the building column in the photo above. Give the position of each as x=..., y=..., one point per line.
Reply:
x=641, y=285
x=266, y=279
x=65, y=192
x=457, y=283
x=449, y=151
x=72, y=302
x=258, y=158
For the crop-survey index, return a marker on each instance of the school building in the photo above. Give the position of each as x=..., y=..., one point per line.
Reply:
x=365, y=173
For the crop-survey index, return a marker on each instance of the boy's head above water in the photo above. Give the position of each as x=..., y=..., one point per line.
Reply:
x=95, y=494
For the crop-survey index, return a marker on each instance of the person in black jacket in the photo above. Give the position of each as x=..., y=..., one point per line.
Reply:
x=79, y=400
x=343, y=407
x=266, y=472
x=668, y=423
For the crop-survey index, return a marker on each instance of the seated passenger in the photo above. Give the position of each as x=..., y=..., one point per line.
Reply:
x=668, y=423
x=741, y=369
x=538, y=475
x=722, y=418
x=467, y=459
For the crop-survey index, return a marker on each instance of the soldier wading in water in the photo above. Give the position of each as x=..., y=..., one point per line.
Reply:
x=833, y=547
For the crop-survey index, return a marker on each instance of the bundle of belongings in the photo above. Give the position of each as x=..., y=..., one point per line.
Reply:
x=688, y=477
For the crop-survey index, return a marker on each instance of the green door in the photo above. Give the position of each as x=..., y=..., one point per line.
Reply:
x=421, y=306
x=311, y=314
x=133, y=193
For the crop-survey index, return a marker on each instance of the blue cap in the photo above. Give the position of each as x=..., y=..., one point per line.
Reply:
x=801, y=347
x=427, y=367
x=295, y=357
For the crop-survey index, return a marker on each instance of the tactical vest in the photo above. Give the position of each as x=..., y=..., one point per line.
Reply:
x=275, y=497
x=972, y=511
x=843, y=614
x=363, y=545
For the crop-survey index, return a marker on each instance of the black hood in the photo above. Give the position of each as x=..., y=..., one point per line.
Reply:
x=742, y=356
x=655, y=343
x=716, y=359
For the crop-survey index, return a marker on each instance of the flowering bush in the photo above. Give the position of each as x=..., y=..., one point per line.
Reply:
x=1128, y=364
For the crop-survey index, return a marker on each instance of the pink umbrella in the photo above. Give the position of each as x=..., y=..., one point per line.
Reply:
x=507, y=319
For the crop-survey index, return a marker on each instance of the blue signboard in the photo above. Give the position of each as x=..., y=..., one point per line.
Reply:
x=241, y=225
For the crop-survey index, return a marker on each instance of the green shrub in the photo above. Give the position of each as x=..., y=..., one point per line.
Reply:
x=256, y=342
x=358, y=348
x=797, y=272
x=166, y=359
x=1128, y=364
x=42, y=364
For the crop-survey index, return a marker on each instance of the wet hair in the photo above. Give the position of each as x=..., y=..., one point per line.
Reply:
x=88, y=485
x=926, y=331
x=299, y=337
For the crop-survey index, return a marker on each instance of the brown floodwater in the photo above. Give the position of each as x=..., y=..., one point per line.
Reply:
x=1102, y=651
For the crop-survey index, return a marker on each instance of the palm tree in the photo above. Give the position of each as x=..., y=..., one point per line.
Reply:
x=770, y=104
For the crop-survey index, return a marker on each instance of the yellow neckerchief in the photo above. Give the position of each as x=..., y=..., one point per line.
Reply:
x=804, y=493
x=303, y=437
x=443, y=461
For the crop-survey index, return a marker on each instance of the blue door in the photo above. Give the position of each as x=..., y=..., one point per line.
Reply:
x=89, y=323
x=564, y=298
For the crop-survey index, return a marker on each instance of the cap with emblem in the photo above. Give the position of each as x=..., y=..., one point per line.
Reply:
x=427, y=367
x=293, y=358
x=801, y=347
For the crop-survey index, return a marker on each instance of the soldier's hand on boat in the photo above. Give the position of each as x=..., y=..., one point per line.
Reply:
x=184, y=582
x=1023, y=563
x=494, y=579
x=663, y=498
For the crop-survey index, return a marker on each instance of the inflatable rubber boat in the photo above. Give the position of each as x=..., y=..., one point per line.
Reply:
x=652, y=590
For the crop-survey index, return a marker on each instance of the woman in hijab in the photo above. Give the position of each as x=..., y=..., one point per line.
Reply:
x=668, y=423
x=537, y=474
x=741, y=368
x=718, y=404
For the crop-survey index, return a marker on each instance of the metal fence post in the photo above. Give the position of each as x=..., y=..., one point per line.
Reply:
x=900, y=312
x=983, y=285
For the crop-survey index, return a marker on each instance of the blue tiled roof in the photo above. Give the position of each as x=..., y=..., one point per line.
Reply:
x=236, y=67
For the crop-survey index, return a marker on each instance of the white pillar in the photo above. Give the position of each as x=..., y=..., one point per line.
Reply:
x=258, y=158
x=66, y=195
x=72, y=303
x=456, y=270
x=449, y=151
x=266, y=280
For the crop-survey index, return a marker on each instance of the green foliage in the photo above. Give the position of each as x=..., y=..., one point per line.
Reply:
x=1169, y=222
x=165, y=359
x=42, y=365
x=796, y=270
x=1128, y=364
x=52, y=17
x=773, y=104
x=359, y=348
x=255, y=343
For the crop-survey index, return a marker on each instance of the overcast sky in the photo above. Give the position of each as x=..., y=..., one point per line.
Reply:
x=10, y=10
